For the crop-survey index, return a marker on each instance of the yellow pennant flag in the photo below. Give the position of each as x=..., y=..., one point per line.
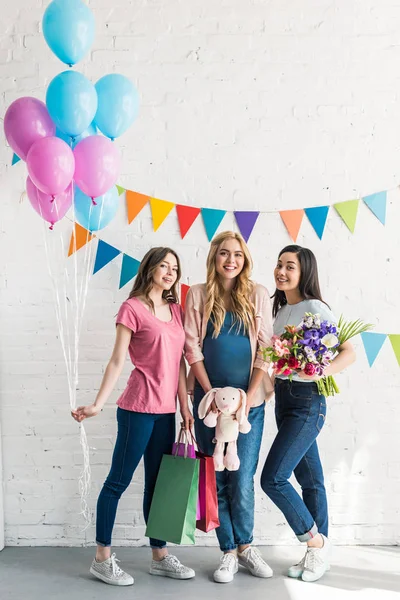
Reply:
x=160, y=210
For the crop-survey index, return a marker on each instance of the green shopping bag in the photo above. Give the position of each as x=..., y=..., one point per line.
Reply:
x=173, y=509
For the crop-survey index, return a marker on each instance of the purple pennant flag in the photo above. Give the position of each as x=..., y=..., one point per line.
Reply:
x=246, y=219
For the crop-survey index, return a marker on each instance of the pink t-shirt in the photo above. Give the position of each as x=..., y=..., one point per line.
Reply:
x=156, y=350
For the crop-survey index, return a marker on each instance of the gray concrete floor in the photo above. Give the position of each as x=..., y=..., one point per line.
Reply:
x=365, y=573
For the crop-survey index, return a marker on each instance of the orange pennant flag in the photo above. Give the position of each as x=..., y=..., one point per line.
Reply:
x=292, y=220
x=160, y=210
x=79, y=237
x=134, y=203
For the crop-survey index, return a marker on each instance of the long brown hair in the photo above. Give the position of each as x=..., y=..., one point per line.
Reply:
x=242, y=307
x=144, y=279
x=309, y=282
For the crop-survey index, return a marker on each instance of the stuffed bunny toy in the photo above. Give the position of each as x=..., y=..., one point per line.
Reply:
x=232, y=419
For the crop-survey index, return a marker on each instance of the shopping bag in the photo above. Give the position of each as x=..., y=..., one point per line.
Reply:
x=183, y=448
x=173, y=509
x=208, y=500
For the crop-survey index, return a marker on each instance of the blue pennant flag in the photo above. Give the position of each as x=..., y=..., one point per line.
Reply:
x=373, y=342
x=377, y=204
x=129, y=269
x=105, y=254
x=317, y=217
x=15, y=159
x=212, y=218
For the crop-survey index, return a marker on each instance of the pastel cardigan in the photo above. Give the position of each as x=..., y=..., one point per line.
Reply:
x=259, y=335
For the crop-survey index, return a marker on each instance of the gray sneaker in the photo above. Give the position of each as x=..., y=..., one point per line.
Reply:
x=316, y=561
x=170, y=566
x=109, y=572
x=252, y=560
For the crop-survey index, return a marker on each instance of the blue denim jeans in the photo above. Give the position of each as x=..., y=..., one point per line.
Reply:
x=235, y=488
x=139, y=434
x=300, y=413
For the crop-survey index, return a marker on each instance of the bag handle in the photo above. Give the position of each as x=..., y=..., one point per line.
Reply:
x=182, y=436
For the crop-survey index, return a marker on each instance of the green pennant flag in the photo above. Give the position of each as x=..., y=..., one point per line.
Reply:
x=395, y=341
x=120, y=189
x=348, y=212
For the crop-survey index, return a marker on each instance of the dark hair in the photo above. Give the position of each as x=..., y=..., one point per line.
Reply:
x=144, y=279
x=309, y=283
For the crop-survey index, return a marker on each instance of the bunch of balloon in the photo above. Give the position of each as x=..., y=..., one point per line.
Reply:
x=73, y=163
x=67, y=142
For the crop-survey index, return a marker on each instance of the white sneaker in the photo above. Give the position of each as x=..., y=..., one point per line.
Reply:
x=316, y=561
x=109, y=572
x=296, y=570
x=228, y=567
x=252, y=560
x=170, y=566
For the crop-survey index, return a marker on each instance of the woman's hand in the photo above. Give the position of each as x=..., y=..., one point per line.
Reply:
x=84, y=412
x=302, y=375
x=213, y=408
x=249, y=403
x=188, y=419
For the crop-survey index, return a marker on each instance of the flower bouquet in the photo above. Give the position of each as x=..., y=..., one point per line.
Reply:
x=311, y=347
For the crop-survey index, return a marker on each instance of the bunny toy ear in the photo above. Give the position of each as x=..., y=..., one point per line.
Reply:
x=241, y=412
x=206, y=402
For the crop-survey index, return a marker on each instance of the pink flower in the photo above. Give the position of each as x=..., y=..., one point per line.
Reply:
x=287, y=372
x=281, y=348
x=310, y=369
x=280, y=365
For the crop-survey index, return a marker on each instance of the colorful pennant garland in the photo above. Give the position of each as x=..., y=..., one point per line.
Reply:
x=160, y=210
x=79, y=238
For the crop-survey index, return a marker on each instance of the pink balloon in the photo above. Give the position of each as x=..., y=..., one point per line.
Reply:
x=97, y=165
x=49, y=210
x=51, y=165
x=27, y=120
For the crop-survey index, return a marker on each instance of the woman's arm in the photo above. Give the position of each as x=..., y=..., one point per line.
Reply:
x=346, y=356
x=110, y=377
x=260, y=368
x=187, y=416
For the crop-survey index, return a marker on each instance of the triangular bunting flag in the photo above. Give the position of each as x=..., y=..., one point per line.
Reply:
x=348, y=211
x=377, y=204
x=212, y=218
x=246, y=219
x=184, y=290
x=292, y=220
x=105, y=254
x=15, y=159
x=129, y=269
x=160, y=210
x=79, y=237
x=186, y=217
x=317, y=217
x=120, y=189
x=134, y=204
x=373, y=342
x=395, y=341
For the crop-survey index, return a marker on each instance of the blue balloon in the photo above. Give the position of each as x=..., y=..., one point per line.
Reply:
x=118, y=104
x=95, y=216
x=71, y=100
x=68, y=28
x=72, y=142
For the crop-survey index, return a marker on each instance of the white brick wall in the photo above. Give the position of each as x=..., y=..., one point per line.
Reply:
x=262, y=104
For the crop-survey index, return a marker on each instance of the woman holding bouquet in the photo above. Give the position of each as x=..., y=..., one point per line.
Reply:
x=227, y=319
x=300, y=412
x=150, y=325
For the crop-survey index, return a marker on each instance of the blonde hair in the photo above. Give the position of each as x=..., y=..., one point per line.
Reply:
x=242, y=307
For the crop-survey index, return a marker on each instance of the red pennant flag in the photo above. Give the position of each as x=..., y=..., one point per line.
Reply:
x=184, y=290
x=186, y=217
